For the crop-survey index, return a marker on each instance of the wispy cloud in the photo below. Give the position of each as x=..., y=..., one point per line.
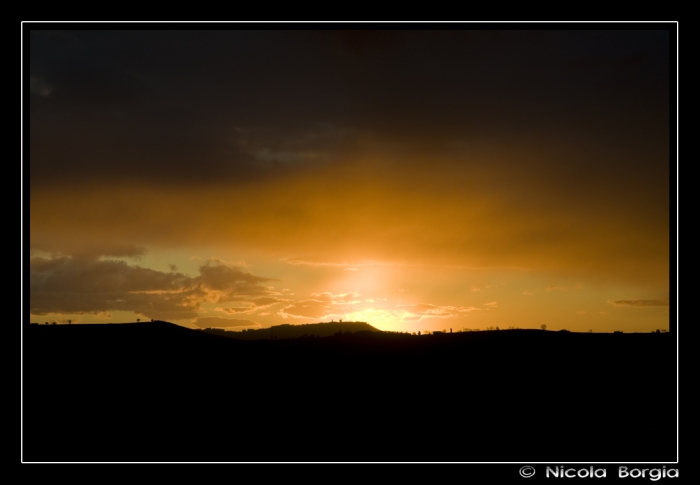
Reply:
x=349, y=266
x=321, y=305
x=425, y=309
x=462, y=308
x=219, y=322
x=554, y=288
x=327, y=296
x=253, y=305
x=638, y=303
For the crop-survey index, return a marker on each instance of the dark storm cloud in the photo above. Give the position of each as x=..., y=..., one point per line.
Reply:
x=235, y=106
x=75, y=285
x=169, y=106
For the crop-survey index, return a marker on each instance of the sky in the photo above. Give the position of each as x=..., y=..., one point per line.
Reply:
x=427, y=177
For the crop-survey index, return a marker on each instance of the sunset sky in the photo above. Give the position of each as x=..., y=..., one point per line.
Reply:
x=413, y=179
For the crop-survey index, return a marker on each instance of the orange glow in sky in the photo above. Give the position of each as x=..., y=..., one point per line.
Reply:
x=419, y=181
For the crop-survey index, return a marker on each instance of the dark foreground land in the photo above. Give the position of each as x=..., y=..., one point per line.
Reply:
x=158, y=392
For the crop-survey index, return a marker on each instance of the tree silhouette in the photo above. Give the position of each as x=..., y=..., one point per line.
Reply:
x=543, y=326
x=138, y=320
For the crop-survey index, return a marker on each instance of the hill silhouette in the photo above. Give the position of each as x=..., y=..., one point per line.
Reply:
x=159, y=392
x=286, y=331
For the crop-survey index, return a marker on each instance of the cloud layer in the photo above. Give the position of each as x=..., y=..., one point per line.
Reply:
x=77, y=285
x=342, y=159
x=219, y=322
x=639, y=303
x=293, y=143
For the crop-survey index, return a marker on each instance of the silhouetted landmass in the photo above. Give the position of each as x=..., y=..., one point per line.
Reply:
x=308, y=330
x=159, y=392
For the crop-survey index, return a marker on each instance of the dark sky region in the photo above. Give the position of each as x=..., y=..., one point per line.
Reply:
x=425, y=177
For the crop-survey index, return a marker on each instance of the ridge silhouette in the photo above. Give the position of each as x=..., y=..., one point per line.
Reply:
x=285, y=331
x=155, y=391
